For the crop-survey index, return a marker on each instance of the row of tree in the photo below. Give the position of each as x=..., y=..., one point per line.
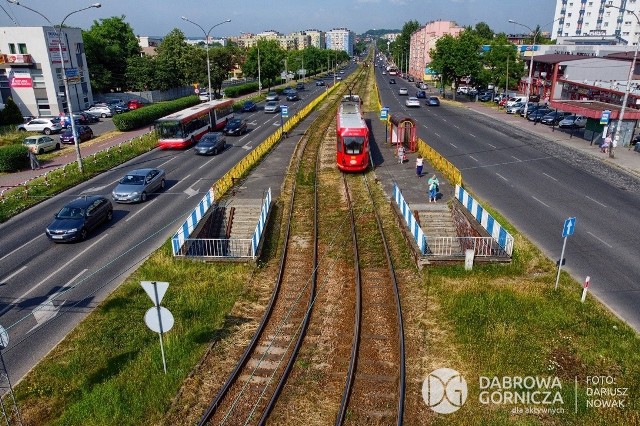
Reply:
x=116, y=63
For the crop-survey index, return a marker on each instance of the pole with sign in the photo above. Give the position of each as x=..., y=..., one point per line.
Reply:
x=284, y=113
x=567, y=229
x=158, y=319
x=384, y=116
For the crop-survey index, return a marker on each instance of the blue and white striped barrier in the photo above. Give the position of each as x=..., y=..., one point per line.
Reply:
x=257, y=234
x=411, y=221
x=504, y=239
x=191, y=222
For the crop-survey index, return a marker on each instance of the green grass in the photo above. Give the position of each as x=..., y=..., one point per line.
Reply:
x=109, y=370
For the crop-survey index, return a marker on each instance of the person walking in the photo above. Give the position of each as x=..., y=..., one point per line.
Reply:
x=35, y=164
x=419, y=165
x=433, y=189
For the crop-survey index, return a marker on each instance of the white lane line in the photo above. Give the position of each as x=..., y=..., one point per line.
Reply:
x=437, y=134
x=596, y=201
x=516, y=158
x=492, y=146
x=131, y=216
x=213, y=157
x=472, y=135
x=473, y=158
x=73, y=259
x=456, y=126
x=551, y=177
x=22, y=246
x=603, y=242
x=546, y=205
x=452, y=145
x=502, y=177
x=47, y=310
x=170, y=159
x=4, y=280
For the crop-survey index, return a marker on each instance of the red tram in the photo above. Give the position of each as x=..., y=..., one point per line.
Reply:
x=352, y=147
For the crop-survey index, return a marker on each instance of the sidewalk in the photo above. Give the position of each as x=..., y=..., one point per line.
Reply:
x=625, y=156
x=86, y=149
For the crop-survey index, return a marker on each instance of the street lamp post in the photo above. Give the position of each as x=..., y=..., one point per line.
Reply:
x=533, y=52
x=65, y=81
x=259, y=80
x=616, y=138
x=206, y=43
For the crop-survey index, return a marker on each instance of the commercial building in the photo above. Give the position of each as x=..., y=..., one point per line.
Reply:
x=31, y=69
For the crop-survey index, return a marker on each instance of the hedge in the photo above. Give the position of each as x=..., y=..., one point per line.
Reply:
x=239, y=90
x=13, y=158
x=146, y=115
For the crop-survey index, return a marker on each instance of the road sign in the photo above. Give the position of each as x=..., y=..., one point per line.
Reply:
x=159, y=320
x=604, y=118
x=284, y=110
x=384, y=114
x=569, y=226
x=155, y=290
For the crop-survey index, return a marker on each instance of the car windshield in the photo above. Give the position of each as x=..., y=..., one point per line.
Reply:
x=132, y=180
x=33, y=141
x=234, y=123
x=208, y=140
x=70, y=213
x=353, y=144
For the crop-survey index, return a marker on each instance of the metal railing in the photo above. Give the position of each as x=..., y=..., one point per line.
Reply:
x=456, y=246
x=217, y=247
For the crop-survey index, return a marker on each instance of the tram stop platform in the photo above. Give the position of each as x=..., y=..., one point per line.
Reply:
x=440, y=232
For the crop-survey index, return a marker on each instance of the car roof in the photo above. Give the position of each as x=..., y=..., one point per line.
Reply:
x=140, y=171
x=84, y=201
x=32, y=137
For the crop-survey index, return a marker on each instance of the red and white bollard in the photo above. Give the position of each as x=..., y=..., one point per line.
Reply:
x=585, y=287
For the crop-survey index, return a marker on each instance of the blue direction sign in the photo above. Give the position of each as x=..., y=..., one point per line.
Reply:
x=569, y=226
x=604, y=118
x=284, y=110
x=384, y=114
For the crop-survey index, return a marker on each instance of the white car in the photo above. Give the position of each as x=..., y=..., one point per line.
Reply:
x=403, y=91
x=271, y=107
x=42, y=125
x=573, y=121
x=100, y=111
x=203, y=96
x=412, y=102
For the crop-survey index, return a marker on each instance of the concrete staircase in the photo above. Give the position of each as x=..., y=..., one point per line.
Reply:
x=437, y=224
x=245, y=218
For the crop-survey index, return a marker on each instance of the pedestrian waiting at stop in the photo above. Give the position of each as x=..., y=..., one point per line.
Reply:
x=606, y=144
x=419, y=162
x=433, y=189
x=401, y=154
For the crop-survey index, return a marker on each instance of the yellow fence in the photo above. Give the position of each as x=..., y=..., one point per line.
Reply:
x=222, y=185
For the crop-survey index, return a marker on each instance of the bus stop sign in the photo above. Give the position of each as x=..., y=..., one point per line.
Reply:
x=284, y=109
x=384, y=114
x=604, y=118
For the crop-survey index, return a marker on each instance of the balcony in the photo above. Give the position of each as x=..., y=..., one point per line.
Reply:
x=11, y=60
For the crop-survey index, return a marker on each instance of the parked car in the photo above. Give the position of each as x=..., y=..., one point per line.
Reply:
x=235, y=127
x=119, y=108
x=537, y=115
x=421, y=94
x=271, y=107
x=553, y=118
x=40, y=144
x=392, y=81
x=42, y=125
x=89, y=118
x=100, y=111
x=403, y=91
x=211, y=143
x=412, y=102
x=272, y=96
x=573, y=121
x=433, y=101
x=136, y=185
x=249, y=106
x=532, y=108
x=84, y=134
x=514, y=108
x=293, y=96
x=65, y=120
x=135, y=104
x=79, y=217
x=203, y=96
x=485, y=97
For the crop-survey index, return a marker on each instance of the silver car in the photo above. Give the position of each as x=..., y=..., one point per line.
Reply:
x=271, y=107
x=136, y=185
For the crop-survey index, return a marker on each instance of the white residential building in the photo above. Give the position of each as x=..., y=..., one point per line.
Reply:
x=31, y=69
x=340, y=39
x=317, y=38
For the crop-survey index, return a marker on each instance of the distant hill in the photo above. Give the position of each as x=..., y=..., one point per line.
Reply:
x=378, y=33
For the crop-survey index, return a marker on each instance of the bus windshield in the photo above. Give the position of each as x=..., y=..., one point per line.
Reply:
x=169, y=129
x=353, y=144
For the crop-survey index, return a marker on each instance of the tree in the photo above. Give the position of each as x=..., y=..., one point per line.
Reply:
x=108, y=45
x=271, y=61
x=141, y=73
x=457, y=58
x=222, y=62
x=400, y=48
x=11, y=113
x=172, y=60
x=502, y=64
x=484, y=32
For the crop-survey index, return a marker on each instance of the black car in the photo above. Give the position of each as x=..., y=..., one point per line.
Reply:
x=553, y=118
x=88, y=118
x=538, y=114
x=120, y=108
x=293, y=96
x=84, y=132
x=235, y=127
x=249, y=106
x=75, y=220
x=485, y=97
x=211, y=143
x=392, y=81
x=533, y=108
x=421, y=94
x=300, y=86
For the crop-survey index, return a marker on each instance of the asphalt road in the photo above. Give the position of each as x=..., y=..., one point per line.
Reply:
x=46, y=288
x=537, y=184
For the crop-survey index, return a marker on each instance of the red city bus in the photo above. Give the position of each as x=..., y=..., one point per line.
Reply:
x=352, y=145
x=183, y=128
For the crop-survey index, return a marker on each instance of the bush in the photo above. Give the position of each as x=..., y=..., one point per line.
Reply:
x=11, y=113
x=13, y=158
x=239, y=90
x=145, y=116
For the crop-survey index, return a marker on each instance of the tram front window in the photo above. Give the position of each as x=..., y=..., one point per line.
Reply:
x=353, y=145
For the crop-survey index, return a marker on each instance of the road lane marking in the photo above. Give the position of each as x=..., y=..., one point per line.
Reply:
x=131, y=216
x=472, y=135
x=22, y=246
x=492, y=146
x=47, y=310
x=452, y=145
x=4, y=280
x=544, y=204
x=516, y=158
x=207, y=163
x=551, y=177
x=502, y=177
x=437, y=134
x=170, y=159
x=596, y=201
x=602, y=241
x=473, y=158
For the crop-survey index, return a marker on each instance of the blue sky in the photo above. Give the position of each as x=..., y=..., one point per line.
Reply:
x=158, y=17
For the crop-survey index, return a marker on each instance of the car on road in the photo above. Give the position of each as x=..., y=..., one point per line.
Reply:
x=135, y=104
x=75, y=220
x=573, y=121
x=203, y=96
x=422, y=86
x=85, y=133
x=392, y=81
x=271, y=96
x=403, y=91
x=288, y=90
x=42, y=125
x=410, y=79
x=100, y=111
x=271, y=107
x=249, y=106
x=319, y=83
x=293, y=96
x=412, y=102
x=553, y=118
x=300, y=86
x=41, y=144
x=211, y=143
x=421, y=94
x=433, y=101
x=235, y=127
x=136, y=185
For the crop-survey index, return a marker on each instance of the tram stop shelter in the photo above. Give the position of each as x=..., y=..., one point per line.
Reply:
x=403, y=132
